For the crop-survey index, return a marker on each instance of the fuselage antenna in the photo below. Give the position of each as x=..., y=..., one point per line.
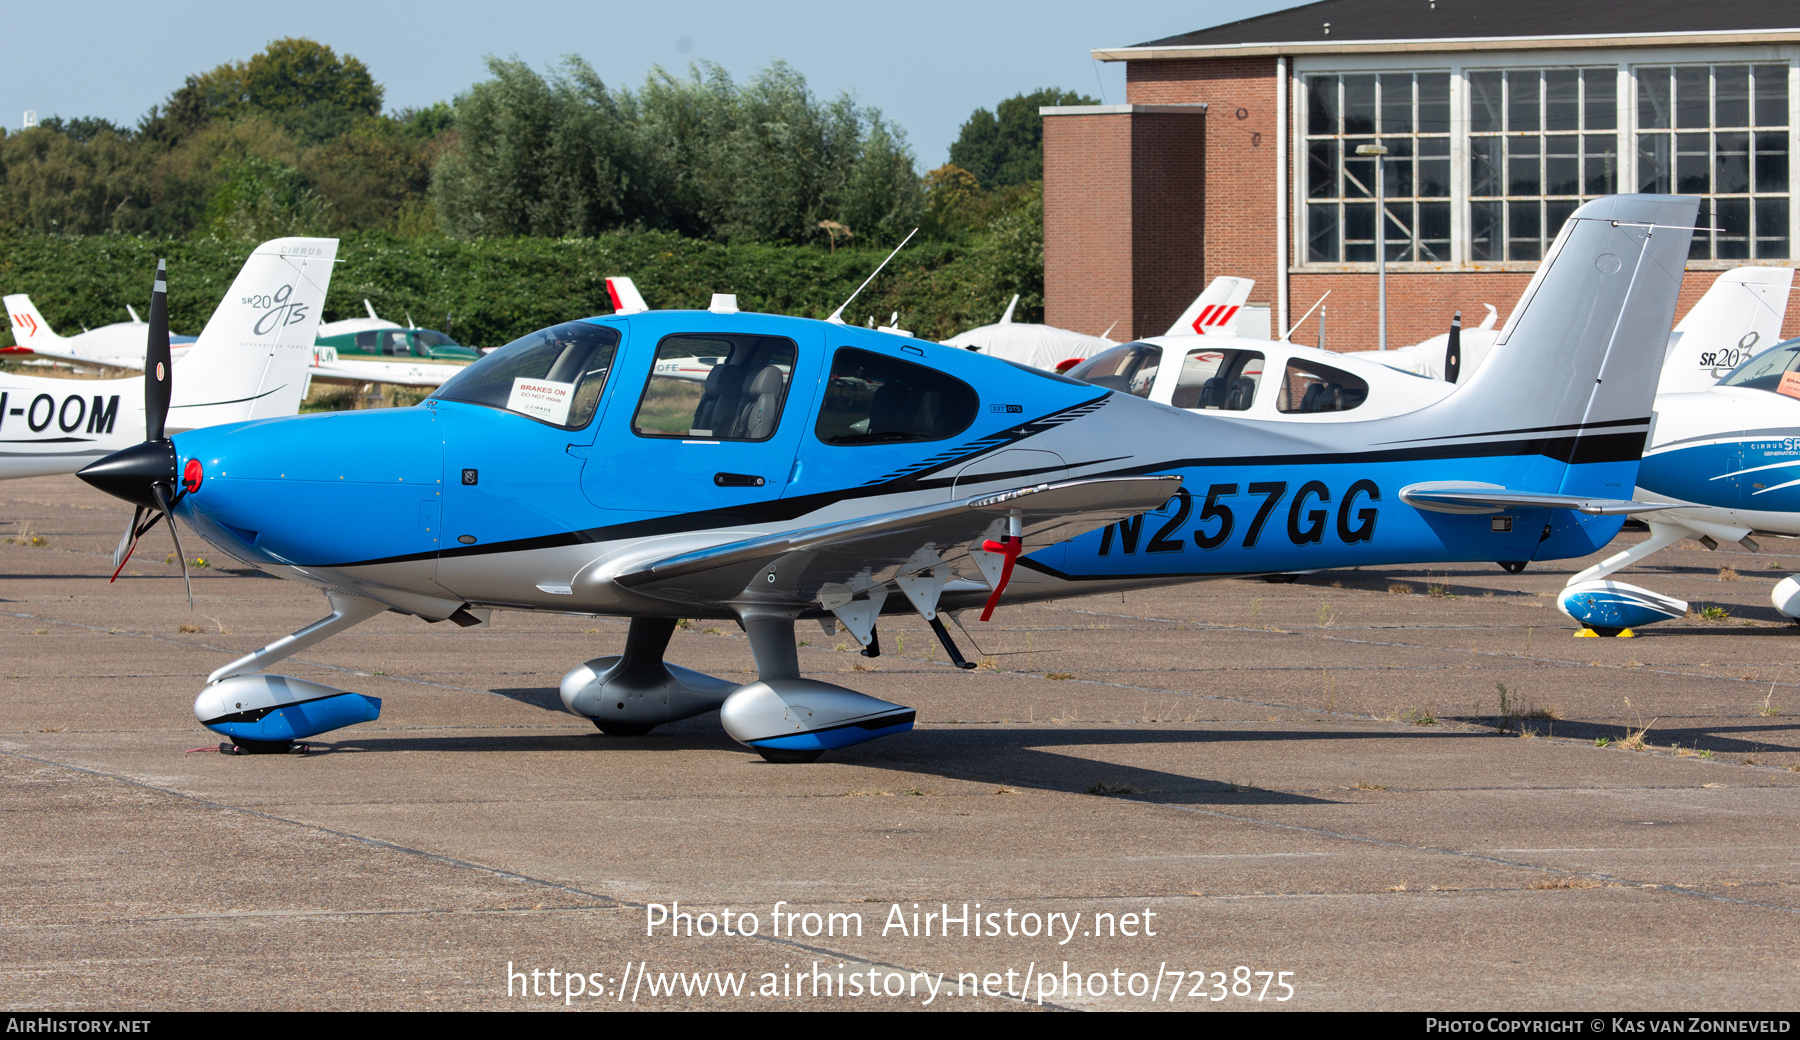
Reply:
x=837, y=316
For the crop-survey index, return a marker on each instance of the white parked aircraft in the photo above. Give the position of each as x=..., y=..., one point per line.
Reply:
x=248, y=363
x=1739, y=315
x=1216, y=311
x=119, y=345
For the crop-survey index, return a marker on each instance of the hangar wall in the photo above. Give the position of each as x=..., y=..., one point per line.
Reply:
x=1124, y=216
x=1110, y=234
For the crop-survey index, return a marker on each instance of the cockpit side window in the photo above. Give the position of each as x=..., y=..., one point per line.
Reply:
x=554, y=375
x=1766, y=370
x=1130, y=368
x=1308, y=387
x=874, y=399
x=716, y=387
x=1225, y=380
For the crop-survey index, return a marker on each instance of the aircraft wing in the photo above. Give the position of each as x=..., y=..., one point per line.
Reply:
x=861, y=553
x=1471, y=498
x=396, y=373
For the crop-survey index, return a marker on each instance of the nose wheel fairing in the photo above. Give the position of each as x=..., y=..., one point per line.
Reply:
x=276, y=709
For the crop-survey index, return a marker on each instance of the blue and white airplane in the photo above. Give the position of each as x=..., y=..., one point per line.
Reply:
x=1728, y=458
x=830, y=473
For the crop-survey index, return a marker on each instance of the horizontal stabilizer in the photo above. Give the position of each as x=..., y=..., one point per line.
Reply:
x=1473, y=498
x=875, y=549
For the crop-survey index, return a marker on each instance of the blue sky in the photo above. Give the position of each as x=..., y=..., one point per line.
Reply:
x=927, y=64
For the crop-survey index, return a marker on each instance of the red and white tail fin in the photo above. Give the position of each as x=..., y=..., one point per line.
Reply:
x=28, y=326
x=1216, y=310
x=625, y=296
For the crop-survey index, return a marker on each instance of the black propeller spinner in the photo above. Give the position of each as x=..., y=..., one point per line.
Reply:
x=144, y=474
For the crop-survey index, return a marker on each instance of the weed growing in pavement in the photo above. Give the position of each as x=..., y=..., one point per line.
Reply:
x=188, y=628
x=1509, y=712
x=1767, y=709
x=1707, y=754
x=1573, y=882
x=1325, y=615
x=1727, y=574
x=1255, y=608
x=1603, y=742
x=1418, y=717
x=1108, y=789
x=1330, y=691
x=900, y=643
x=1399, y=588
x=1234, y=786
x=1059, y=676
x=1713, y=612
x=709, y=631
x=1634, y=740
x=1751, y=760
x=684, y=624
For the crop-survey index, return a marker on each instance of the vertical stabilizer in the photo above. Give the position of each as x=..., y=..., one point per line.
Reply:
x=625, y=296
x=28, y=326
x=1216, y=309
x=250, y=361
x=1738, y=318
x=1579, y=351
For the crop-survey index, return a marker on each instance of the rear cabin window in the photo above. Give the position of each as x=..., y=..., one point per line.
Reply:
x=1220, y=380
x=874, y=399
x=554, y=375
x=1130, y=368
x=1307, y=387
x=716, y=387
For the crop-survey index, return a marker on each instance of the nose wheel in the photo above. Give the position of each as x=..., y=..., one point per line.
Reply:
x=784, y=756
x=264, y=747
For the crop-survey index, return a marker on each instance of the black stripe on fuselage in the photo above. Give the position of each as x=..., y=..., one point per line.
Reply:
x=1614, y=447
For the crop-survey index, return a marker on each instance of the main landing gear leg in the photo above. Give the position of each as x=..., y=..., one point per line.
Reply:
x=790, y=719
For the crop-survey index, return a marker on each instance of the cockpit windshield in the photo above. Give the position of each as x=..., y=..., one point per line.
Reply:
x=1765, y=370
x=554, y=375
x=1130, y=368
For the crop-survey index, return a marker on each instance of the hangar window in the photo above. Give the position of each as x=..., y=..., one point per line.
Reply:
x=1307, y=387
x=554, y=375
x=1221, y=380
x=1408, y=113
x=875, y=399
x=1541, y=141
x=716, y=387
x=1720, y=131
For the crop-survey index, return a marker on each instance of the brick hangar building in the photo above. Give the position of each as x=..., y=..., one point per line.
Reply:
x=1236, y=154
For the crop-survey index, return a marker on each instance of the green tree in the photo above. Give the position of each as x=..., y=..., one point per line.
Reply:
x=764, y=162
x=1006, y=147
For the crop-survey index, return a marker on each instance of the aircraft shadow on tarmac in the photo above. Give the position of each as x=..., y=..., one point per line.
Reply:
x=1013, y=755
x=1708, y=738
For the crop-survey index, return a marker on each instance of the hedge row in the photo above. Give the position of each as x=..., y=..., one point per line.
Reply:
x=490, y=291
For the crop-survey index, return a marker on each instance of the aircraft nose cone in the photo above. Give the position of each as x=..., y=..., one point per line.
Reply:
x=130, y=472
